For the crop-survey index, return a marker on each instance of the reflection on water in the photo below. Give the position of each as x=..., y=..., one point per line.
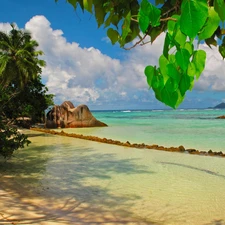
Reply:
x=136, y=186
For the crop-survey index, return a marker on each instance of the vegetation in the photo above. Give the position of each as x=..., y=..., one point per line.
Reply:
x=21, y=90
x=185, y=22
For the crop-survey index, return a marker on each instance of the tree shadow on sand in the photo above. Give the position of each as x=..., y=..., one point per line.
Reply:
x=67, y=185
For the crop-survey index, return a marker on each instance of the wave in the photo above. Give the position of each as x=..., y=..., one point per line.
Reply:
x=126, y=111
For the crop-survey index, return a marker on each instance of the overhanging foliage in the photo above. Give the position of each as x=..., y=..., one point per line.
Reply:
x=184, y=23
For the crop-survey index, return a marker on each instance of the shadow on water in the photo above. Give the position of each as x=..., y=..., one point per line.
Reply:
x=80, y=175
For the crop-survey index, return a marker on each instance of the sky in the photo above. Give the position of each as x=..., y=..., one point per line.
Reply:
x=85, y=68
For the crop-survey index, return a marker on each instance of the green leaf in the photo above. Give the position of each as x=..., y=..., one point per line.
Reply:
x=148, y=15
x=173, y=72
x=199, y=58
x=150, y=71
x=88, y=5
x=109, y=19
x=113, y=35
x=172, y=24
x=154, y=33
x=157, y=82
x=219, y=6
x=169, y=98
x=211, y=25
x=125, y=29
x=166, y=45
x=189, y=46
x=171, y=85
x=193, y=16
x=191, y=69
x=180, y=38
x=74, y=3
x=182, y=56
x=163, y=62
x=179, y=99
x=185, y=83
x=191, y=83
x=222, y=48
x=99, y=14
x=157, y=2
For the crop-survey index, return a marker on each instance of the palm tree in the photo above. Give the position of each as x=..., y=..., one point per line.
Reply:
x=19, y=61
x=19, y=65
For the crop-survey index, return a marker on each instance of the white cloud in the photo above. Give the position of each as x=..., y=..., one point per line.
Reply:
x=213, y=77
x=5, y=27
x=85, y=75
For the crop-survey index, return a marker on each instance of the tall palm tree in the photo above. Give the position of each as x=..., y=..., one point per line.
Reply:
x=19, y=61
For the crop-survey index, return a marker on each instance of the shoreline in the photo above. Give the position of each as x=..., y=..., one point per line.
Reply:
x=180, y=149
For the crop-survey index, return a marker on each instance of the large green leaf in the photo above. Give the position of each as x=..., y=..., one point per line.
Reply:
x=125, y=29
x=166, y=46
x=148, y=15
x=219, y=6
x=182, y=57
x=157, y=82
x=189, y=46
x=169, y=98
x=193, y=16
x=191, y=69
x=180, y=38
x=88, y=5
x=113, y=35
x=99, y=14
x=173, y=72
x=211, y=25
x=199, y=58
x=171, y=85
x=172, y=24
x=185, y=83
x=150, y=71
x=163, y=62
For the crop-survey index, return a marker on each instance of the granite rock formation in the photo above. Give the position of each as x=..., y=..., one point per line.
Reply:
x=68, y=116
x=221, y=117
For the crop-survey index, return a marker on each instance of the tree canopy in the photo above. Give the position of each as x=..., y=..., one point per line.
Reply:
x=21, y=90
x=185, y=22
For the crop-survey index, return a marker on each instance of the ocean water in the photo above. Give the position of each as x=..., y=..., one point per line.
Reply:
x=76, y=181
x=192, y=128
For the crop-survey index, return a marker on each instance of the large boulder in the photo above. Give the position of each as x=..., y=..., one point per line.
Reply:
x=68, y=116
x=221, y=117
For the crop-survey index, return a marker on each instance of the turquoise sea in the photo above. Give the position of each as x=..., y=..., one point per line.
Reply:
x=64, y=180
x=192, y=128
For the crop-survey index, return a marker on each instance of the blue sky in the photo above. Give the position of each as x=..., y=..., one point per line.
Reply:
x=83, y=66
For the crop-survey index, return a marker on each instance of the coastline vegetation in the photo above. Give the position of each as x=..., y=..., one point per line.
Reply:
x=21, y=92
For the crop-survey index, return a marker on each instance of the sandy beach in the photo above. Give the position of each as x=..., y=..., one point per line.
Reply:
x=21, y=207
x=63, y=180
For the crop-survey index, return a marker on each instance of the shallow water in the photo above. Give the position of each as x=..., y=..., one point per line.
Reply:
x=194, y=129
x=139, y=184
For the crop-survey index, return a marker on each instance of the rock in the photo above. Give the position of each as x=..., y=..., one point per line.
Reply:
x=181, y=148
x=68, y=116
x=221, y=117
